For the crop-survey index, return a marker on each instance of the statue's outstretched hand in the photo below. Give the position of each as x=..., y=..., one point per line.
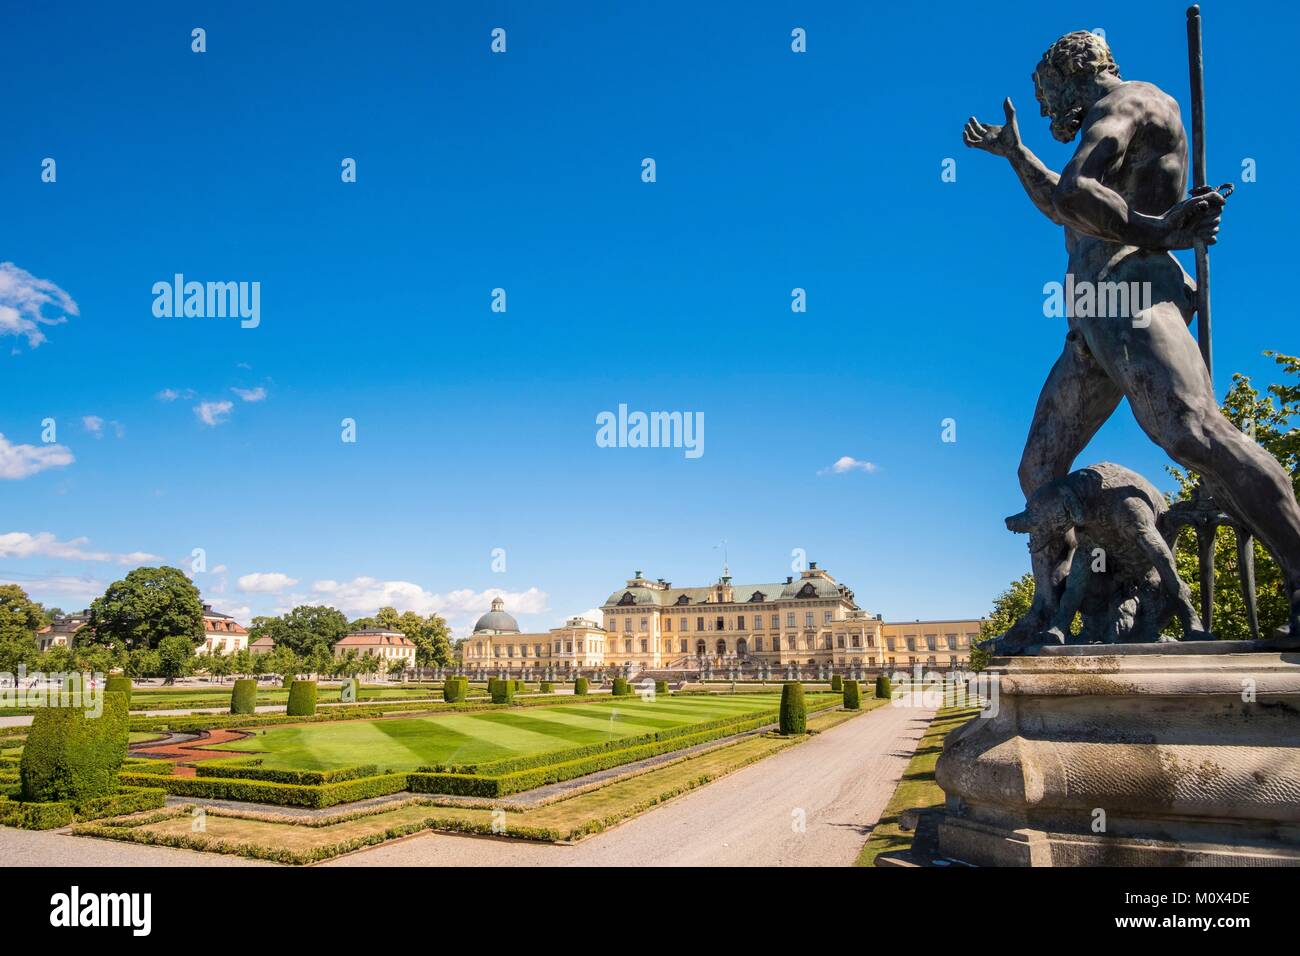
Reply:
x=999, y=140
x=1194, y=218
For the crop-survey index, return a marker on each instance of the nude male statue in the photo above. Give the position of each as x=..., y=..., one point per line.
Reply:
x=1121, y=203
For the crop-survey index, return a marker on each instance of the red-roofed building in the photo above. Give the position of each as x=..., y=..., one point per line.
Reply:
x=222, y=632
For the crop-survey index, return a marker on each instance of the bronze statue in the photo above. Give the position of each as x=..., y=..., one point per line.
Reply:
x=1121, y=203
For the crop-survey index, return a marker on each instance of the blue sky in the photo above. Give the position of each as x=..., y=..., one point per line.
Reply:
x=475, y=429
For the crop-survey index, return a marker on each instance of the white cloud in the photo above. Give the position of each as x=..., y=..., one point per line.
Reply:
x=241, y=612
x=21, y=461
x=23, y=299
x=848, y=464
x=213, y=413
x=266, y=582
x=366, y=595
x=250, y=394
x=62, y=588
x=43, y=544
x=171, y=394
x=593, y=614
x=94, y=424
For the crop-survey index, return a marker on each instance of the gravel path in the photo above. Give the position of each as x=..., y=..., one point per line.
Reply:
x=838, y=784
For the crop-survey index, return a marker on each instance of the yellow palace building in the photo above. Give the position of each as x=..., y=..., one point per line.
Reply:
x=810, y=621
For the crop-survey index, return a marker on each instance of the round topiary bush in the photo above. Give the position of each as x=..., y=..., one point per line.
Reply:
x=503, y=691
x=547, y=687
x=837, y=682
x=580, y=687
x=119, y=685
x=243, y=698
x=71, y=754
x=302, y=698
x=621, y=688
x=884, y=690
x=794, y=712
x=852, y=695
x=661, y=688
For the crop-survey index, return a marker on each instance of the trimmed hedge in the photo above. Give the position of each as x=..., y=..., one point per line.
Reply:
x=503, y=691
x=580, y=687
x=884, y=689
x=119, y=685
x=48, y=815
x=547, y=687
x=312, y=796
x=519, y=686
x=661, y=688
x=794, y=712
x=243, y=698
x=72, y=756
x=621, y=688
x=302, y=699
x=253, y=771
x=148, y=765
x=455, y=689
x=852, y=695
x=837, y=683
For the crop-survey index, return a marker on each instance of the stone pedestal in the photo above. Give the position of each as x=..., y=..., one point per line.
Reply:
x=1146, y=756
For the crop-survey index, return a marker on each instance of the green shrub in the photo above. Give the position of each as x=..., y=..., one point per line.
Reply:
x=73, y=756
x=661, y=688
x=35, y=816
x=884, y=690
x=503, y=691
x=580, y=686
x=547, y=687
x=250, y=770
x=621, y=688
x=119, y=685
x=852, y=695
x=243, y=698
x=302, y=698
x=455, y=689
x=794, y=712
x=837, y=683
x=520, y=686
x=280, y=794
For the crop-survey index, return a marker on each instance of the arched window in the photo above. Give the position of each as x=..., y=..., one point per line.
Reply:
x=699, y=648
x=722, y=647
x=742, y=647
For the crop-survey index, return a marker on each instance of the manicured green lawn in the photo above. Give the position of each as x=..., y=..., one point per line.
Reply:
x=410, y=742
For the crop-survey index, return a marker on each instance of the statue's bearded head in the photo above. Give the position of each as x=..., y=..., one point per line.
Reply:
x=1065, y=74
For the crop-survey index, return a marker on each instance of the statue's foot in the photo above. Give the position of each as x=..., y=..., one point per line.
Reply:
x=1289, y=634
x=1021, y=636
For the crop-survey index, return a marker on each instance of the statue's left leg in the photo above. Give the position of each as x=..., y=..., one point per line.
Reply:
x=1161, y=372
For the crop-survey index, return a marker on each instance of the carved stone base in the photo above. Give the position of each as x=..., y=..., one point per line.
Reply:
x=1130, y=760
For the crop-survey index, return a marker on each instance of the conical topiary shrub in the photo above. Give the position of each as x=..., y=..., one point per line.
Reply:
x=580, y=687
x=243, y=698
x=794, y=712
x=884, y=690
x=837, y=683
x=661, y=688
x=852, y=695
x=621, y=688
x=302, y=698
x=547, y=687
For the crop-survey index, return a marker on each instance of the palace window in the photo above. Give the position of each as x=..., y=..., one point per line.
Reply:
x=668, y=624
x=740, y=623
x=857, y=640
x=758, y=622
x=807, y=618
x=930, y=642
x=789, y=619
x=758, y=645
x=826, y=617
x=839, y=640
x=645, y=646
x=911, y=643
x=699, y=623
x=645, y=624
x=889, y=644
x=952, y=642
x=627, y=646
x=776, y=621
x=719, y=625
x=684, y=622
x=682, y=650
x=627, y=625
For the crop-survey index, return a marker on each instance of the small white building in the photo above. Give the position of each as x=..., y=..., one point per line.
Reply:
x=386, y=645
x=222, y=632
